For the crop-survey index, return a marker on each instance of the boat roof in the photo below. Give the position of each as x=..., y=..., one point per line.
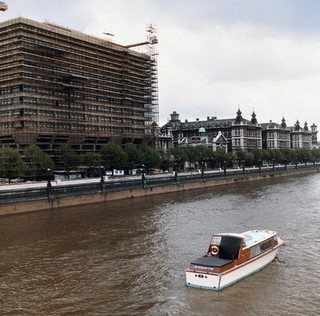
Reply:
x=251, y=237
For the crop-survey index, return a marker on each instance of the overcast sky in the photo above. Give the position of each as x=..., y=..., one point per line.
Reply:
x=214, y=55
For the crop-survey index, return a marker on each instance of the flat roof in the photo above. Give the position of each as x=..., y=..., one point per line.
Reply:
x=52, y=27
x=251, y=237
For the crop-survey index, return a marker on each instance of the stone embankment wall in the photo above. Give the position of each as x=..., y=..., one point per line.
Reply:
x=102, y=195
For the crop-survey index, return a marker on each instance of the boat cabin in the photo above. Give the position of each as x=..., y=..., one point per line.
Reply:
x=228, y=250
x=232, y=257
x=225, y=246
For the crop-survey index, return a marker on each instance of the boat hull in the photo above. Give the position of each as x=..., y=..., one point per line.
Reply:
x=218, y=281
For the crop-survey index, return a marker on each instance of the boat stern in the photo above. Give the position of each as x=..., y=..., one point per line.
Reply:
x=203, y=280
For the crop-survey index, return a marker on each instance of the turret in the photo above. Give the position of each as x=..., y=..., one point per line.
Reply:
x=254, y=118
x=313, y=128
x=297, y=126
x=174, y=116
x=239, y=119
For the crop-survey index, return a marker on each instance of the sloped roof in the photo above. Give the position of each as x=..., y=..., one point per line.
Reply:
x=270, y=125
x=206, y=124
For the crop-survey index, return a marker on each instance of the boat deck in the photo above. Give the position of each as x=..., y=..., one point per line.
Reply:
x=211, y=261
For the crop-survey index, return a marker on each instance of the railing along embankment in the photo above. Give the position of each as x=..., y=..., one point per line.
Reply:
x=26, y=197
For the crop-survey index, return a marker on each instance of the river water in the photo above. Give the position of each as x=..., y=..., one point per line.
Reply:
x=129, y=257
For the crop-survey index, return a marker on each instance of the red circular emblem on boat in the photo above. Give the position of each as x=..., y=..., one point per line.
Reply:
x=214, y=250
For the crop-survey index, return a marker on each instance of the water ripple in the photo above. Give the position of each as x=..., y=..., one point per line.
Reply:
x=129, y=257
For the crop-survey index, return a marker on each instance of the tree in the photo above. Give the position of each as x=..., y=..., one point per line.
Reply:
x=277, y=155
x=212, y=158
x=222, y=157
x=113, y=156
x=257, y=154
x=11, y=164
x=266, y=155
x=92, y=160
x=165, y=159
x=38, y=163
x=315, y=154
x=69, y=158
x=151, y=158
x=288, y=155
x=249, y=158
x=239, y=156
x=202, y=153
x=179, y=155
x=203, y=156
x=192, y=154
x=134, y=155
x=294, y=156
x=308, y=155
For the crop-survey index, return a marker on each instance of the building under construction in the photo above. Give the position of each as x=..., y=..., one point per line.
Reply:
x=62, y=86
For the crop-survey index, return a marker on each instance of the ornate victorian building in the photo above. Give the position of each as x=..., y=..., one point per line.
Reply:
x=275, y=136
x=231, y=134
x=238, y=133
x=301, y=137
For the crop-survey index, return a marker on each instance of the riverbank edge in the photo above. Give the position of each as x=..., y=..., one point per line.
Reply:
x=42, y=205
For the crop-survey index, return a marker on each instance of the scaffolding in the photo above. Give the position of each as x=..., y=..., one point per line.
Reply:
x=152, y=50
x=59, y=85
x=153, y=53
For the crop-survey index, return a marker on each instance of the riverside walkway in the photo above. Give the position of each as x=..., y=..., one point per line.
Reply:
x=24, y=197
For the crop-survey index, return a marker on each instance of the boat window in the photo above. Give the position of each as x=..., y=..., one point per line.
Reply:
x=254, y=251
x=260, y=248
x=266, y=245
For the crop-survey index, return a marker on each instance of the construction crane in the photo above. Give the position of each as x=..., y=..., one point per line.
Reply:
x=3, y=6
x=152, y=39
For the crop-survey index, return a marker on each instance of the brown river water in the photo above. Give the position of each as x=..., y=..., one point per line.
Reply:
x=129, y=257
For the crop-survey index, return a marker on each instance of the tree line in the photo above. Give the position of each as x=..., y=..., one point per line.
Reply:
x=33, y=163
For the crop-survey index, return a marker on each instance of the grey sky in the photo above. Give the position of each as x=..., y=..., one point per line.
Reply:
x=214, y=55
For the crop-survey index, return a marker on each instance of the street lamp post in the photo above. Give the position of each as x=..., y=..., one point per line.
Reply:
x=202, y=170
x=49, y=180
x=143, y=176
x=225, y=169
x=243, y=167
x=259, y=163
x=49, y=186
x=101, y=180
x=273, y=164
x=175, y=172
